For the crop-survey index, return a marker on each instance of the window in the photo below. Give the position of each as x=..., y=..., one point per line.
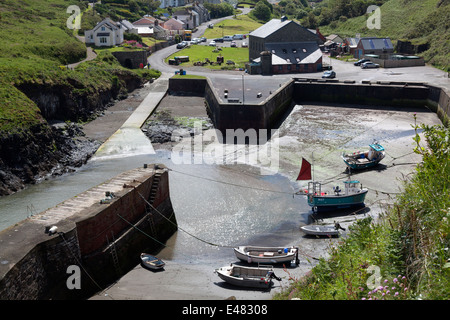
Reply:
x=103, y=28
x=103, y=40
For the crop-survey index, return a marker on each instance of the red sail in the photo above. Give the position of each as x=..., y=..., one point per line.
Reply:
x=305, y=171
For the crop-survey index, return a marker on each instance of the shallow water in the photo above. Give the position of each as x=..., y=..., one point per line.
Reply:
x=215, y=205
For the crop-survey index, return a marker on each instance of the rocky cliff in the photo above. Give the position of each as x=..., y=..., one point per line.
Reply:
x=56, y=144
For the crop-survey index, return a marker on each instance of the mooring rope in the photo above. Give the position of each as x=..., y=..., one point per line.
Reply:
x=176, y=225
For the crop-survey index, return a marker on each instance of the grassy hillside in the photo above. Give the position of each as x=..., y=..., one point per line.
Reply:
x=36, y=46
x=419, y=21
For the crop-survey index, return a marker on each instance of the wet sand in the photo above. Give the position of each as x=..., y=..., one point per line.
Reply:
x=319, y=133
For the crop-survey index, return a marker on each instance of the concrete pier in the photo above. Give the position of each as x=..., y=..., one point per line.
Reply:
x=102, y=236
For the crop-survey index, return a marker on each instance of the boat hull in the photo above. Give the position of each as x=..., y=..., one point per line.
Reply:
x=151, y=262
x=337, y=201
x=359, y=166
x=365, y=160
x=266, y=255
x=315, y=230
x=246, y=277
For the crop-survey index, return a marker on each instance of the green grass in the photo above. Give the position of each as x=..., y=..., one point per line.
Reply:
x=201, y=52
x=36, y=46
x=188, y=76
x=419, y=21
x=242, y=24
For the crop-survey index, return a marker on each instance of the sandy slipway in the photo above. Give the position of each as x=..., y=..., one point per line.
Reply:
x=319, y=133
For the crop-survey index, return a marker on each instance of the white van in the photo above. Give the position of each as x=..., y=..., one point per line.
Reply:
x=238, y=37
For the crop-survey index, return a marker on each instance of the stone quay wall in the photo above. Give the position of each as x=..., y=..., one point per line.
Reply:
x=102, y=241
x=264, y=115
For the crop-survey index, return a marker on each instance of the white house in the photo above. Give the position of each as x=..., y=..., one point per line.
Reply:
x=106, y=33
x=172, y=3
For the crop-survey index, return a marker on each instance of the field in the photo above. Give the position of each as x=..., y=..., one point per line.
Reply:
x=240, y=25
x=198, y=53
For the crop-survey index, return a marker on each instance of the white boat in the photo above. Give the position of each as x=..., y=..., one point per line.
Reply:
x=151, y=262
x=316, y=230
x=251, y=277
x=267, y=255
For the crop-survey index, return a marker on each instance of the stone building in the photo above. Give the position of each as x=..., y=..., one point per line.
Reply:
x=291, y=47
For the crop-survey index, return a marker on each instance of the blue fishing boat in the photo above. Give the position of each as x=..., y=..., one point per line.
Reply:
x=364, y=159
x=338, y=199
x=352, y=195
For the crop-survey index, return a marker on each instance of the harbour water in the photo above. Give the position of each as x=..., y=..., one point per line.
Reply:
x=215, y=205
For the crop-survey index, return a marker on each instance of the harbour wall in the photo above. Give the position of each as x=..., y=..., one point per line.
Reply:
x=379, y=93
x=264, y=115
x=101, y=237
x=231, y=114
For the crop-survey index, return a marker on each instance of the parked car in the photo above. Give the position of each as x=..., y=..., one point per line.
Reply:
x=244, y=44
x=218, y=40
x=211, y=25
x=329, y=74
x=227, y=38
x=233, y=44
x=195, y=41
x=238, y=37
x=182, y=44
x=369, y=64
x=359, y=62
x=203, y=39
x=212, y=43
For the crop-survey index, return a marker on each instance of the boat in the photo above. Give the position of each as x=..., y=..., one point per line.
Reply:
x=151, y=262
x=364, y=159
x=350, y=197
x=315, y=230
x=251, y=277
x=267, y=255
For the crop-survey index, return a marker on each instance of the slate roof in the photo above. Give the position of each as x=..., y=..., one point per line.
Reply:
x=376, y=43
x=294, y=52
x=109, y=23
x=269, y=28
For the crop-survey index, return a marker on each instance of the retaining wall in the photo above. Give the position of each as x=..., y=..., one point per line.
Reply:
x=33, y=265
x=248, y=116
x=384, y=93
x=264, y=115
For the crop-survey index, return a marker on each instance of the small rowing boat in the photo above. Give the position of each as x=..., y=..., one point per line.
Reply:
x=151, y=262
x=267, y=255
x=315, y=230
x=251, y=277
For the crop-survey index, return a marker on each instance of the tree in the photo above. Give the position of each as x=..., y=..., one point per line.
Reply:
x=262, y=12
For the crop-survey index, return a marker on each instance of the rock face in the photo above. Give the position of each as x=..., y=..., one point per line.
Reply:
x=44, y=150
x=56, y=145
